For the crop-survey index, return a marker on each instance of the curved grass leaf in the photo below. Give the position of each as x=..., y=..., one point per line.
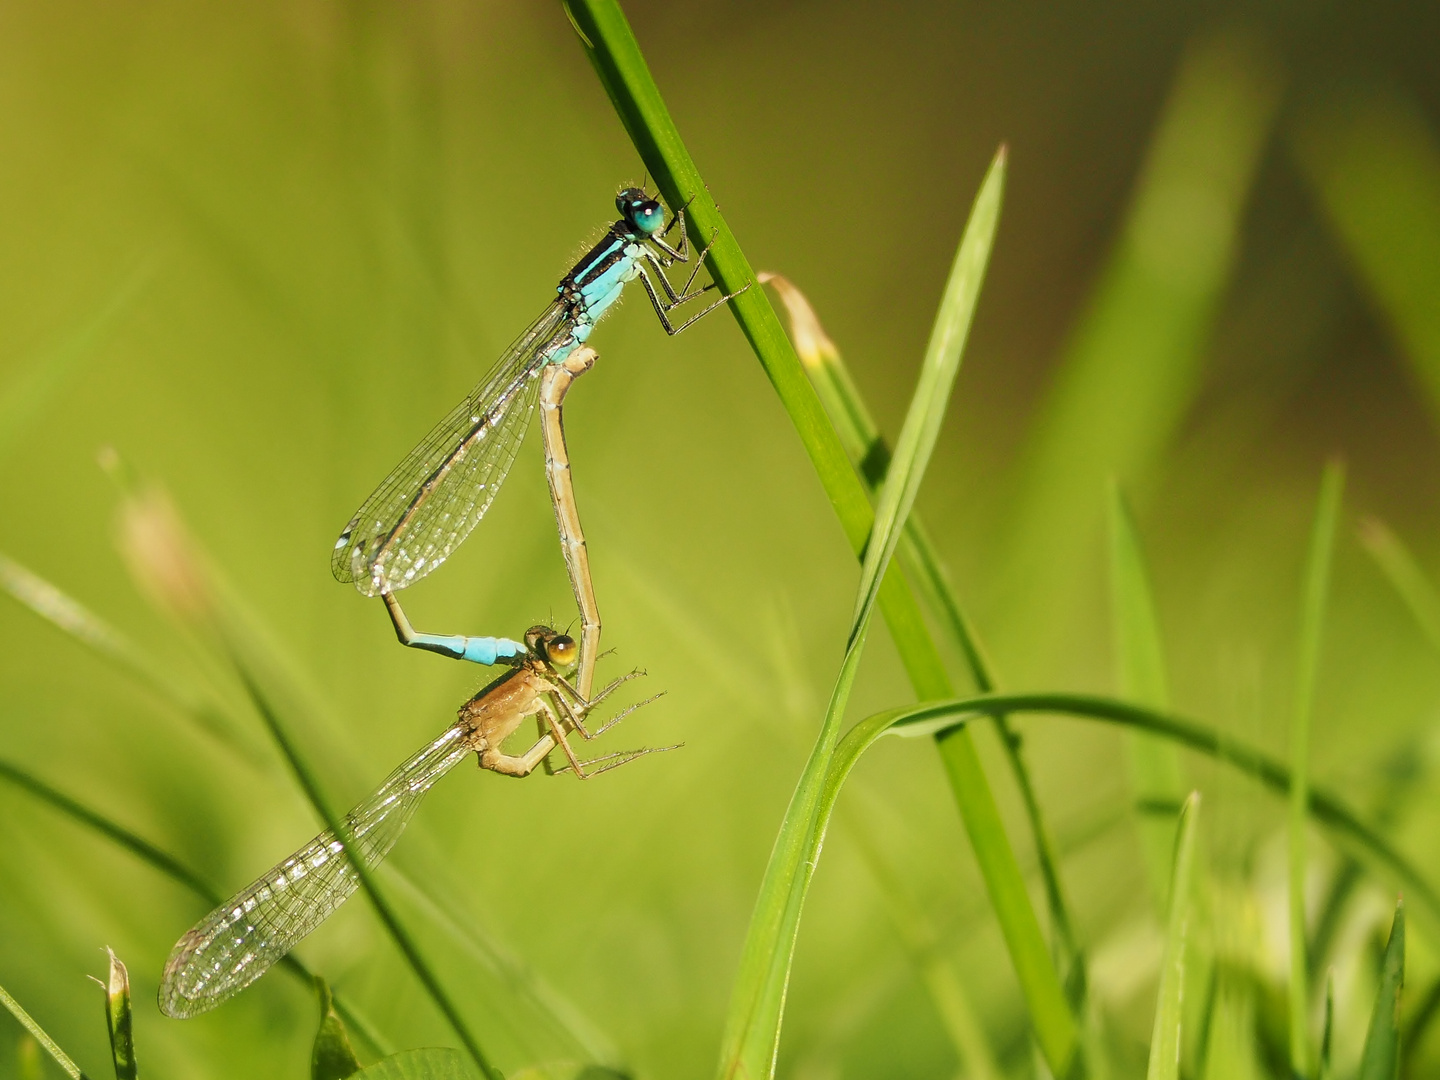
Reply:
x=1312, y=622
x=120, y=1020
x=38, y=1034
x=752, y=1031
x=1165, y=1038
x=1380, y=1060
x=869, y=454
x=331, y=1056
x=611, y=47
x=1327, y=809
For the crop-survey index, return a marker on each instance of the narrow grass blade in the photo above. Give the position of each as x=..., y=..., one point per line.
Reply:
x=185, y=584
x=1327, y=809
x=1373, y=159
x=28, y=395
x=38, y=1034
x=119, y=1019
x=1380, y=1060
x=166, y=562
x=1405, y=576
x=1140, y=671
x=1132, y=365
x=331, y=1057
x=752, y=1032
x=1324, y=1070
x=1312, y=621
x=870, y=456
x=1165, y=1036
x=611, y=47
x=169, y=866
x=399, y=934
x=77, y=621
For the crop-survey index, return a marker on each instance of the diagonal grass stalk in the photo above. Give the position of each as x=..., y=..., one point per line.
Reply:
x=869, y=454
x=752, y=1034
x=613, y=51
x=39, y=1035
x=174, y=869
x=309, y=784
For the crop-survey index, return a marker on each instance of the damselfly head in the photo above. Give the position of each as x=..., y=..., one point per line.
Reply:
x=556, y=649
x=642, y=213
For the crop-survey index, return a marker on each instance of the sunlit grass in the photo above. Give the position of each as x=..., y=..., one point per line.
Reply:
x=563, y=933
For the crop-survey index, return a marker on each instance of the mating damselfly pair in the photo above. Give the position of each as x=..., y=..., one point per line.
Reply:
x=411, y=524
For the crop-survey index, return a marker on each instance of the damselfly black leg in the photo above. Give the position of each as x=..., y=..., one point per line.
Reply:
x=663, y=308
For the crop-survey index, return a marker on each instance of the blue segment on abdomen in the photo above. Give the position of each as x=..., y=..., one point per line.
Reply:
x=487, y=650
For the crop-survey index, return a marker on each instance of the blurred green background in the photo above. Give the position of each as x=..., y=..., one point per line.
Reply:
x=258, y=249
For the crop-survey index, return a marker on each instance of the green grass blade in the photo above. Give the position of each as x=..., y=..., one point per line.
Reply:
x=119, y=1019
x=1380, y=1060
x=137, y=845
x=1324, y=1070
x=29, y=394
x=1405, y=576
x=1165, y=1037
x=170, y=867
x=331, y=1057
x=74, y=619
x=1312, y=621
x=1133, y=362
x=308, y=782
x=870, y=456
x=1140, y=671
x=937, y=379
x=753, y=1023
x=1326, y=808
x=183, y=582
x=1374, y=162
x=38, y=1034
x=168, y=565
x=611, y=47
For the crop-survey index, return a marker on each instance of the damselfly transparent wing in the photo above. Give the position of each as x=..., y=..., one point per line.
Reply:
x=242, y=938
x=432, y=500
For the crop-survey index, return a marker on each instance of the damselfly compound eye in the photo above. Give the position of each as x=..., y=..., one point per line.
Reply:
x=561, y=650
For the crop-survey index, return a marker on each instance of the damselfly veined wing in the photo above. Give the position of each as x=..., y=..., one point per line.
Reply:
x=246, y=935
x=432, y=500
